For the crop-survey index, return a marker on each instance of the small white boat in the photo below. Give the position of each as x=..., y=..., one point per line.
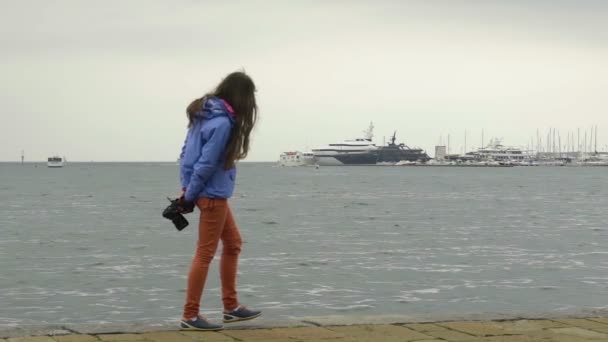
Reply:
x=297, y=158
x=55, y=161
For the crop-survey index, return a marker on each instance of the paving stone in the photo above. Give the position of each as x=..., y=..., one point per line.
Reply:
x=207, y=336
x=584, y=323
x=548, y=336
x=524, y=325
x=451, y=335
x=544, y=337
x=422, y=327
x=381, y=333
x=579, y=332
x=511, y=338
x=599, y=319
x=75, y=338
x=284, y=334
x=165, y=336
x=31, y=339
x=600, y=328
x=475, y=328
x=603, y=331
x=564, y=338
x=256, y=335
x=536, y=336
x=314, y=339
x=336, y=320
x=120, y=337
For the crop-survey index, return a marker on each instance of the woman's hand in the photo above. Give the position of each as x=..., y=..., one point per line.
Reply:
x=184, y=206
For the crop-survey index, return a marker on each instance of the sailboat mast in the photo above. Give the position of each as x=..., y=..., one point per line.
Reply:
x=591, y=140
x=585, y=149
x=595, y=139
x=448, y=144
x=578, y=141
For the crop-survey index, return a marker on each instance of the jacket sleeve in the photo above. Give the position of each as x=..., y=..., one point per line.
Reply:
x=182, y=178
x=211, y=156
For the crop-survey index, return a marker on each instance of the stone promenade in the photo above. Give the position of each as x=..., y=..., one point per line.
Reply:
x=566, y=330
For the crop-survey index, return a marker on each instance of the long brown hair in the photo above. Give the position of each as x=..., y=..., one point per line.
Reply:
x=238, y=90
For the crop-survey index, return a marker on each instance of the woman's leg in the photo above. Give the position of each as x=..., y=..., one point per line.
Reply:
x=231, y=239
x=211, y=224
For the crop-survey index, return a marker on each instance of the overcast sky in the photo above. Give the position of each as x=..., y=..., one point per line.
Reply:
x=110, y=80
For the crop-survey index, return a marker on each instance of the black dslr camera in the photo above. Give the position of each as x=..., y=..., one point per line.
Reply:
x=173, y=213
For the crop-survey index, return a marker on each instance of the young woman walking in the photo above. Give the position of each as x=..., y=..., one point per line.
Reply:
x=219, y=126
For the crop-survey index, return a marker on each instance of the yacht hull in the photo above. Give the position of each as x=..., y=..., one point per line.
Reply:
x=340, y=159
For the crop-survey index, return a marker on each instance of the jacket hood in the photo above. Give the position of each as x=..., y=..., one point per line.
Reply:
x=214, y=107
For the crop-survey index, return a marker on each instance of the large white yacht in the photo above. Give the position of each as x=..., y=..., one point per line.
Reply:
x=360, y=151
x=496, y=151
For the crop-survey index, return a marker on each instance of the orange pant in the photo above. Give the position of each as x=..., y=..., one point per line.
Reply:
x=216, y=222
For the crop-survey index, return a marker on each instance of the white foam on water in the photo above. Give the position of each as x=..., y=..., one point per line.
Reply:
x=348, y=307
x=408, y=299
x=431, y=290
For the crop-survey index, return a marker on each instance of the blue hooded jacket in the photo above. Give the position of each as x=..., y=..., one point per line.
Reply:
x=202, y=171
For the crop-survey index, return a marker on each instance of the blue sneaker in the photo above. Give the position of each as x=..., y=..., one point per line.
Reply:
x=241, y=313
x=199, y=324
